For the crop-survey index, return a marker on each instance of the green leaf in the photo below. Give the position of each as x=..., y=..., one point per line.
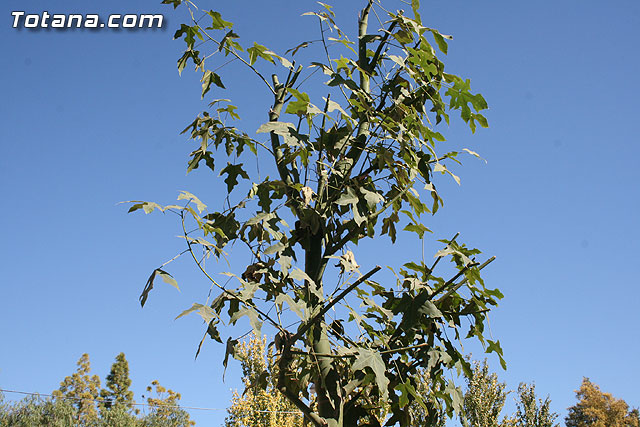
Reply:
x=300, y=105
x=440, y=40
x=229, y=351
x=371, y=197
x=457, y=398
x=147, y=207
x=259, y=51
x=494, y=347
x=285, y=129
x=147, y=288
x=254, y=320
x=372, y=359
x=185, y=195
x=217, y=23
x=430, y=310
x=419, y=229
x=348, y=198
x=208, y=78
x=277, y=248
x=167, y=278
x=232, y=172
x=482, y=120
x=189, y=33
x=175, y=3
x=403, y=400
x=297, y=307
x=298, y=274
x=206, y=312
x=495, y=292
x=415, y=6
x=294, y=50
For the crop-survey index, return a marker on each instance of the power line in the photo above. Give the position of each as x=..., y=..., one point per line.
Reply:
x=137, y=404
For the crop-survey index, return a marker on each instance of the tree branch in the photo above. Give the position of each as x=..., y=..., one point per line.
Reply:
x=456, y=287
x=305, y=327
x=233, y=52
x=225, y=291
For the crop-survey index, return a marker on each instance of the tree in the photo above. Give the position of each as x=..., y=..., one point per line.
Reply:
x=117, y=400
x=484, y=399
x=116, y=394
x=75, y=403
x=598, y=409
x=82, y=389
x=33, y=411
x=345, y=174
x=256, y=406
x=165, y=410
x=531, y=411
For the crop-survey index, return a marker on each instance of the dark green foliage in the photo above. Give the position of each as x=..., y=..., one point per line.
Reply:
x=356, y=161
x=117, y=393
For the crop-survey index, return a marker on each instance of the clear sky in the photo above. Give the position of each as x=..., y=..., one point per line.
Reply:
x=91, y=118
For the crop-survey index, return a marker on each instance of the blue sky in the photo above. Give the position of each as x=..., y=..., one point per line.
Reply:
x=93, y=118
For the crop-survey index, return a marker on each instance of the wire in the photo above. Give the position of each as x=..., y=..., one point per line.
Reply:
x=138, y=404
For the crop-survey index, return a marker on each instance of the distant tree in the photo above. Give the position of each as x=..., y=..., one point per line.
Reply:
x=531, y=411
x=116, y=393
x=165, y=410
x=118, y=417
x=81, y=390
x=484, y=399
x=33, y=411
x=257, y=406
x=77, y=401
x=598, y=409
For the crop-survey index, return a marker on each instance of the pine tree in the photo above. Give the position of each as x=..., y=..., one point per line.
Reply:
x=117, y=393
x=116, y=408
x=598, y=409
x=81, y=389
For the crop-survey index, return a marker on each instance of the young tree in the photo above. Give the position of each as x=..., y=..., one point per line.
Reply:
x=531, y=411
x=256, y=406
x=81, y=389
x=484, y=399
x=598, y=409
x=353, y=161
